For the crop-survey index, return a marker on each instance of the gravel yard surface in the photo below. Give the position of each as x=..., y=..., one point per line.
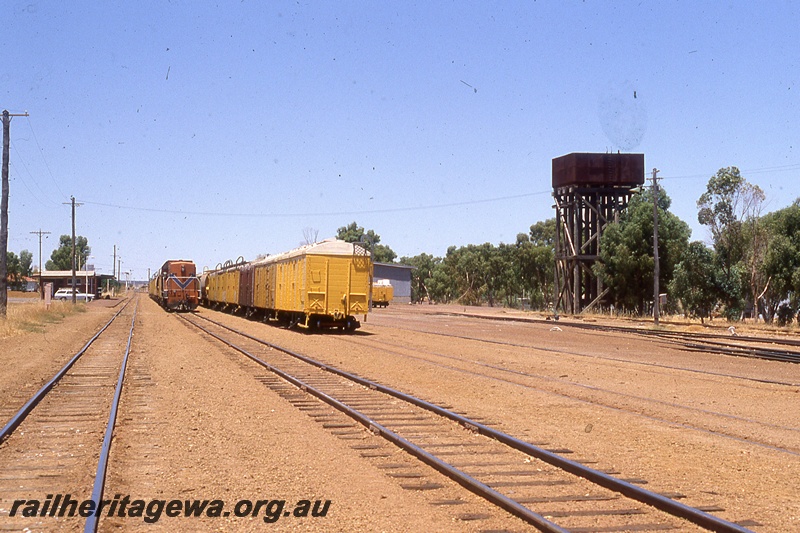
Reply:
x=196, y=422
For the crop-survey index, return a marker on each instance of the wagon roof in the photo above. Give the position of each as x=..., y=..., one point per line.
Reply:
x=326, y=247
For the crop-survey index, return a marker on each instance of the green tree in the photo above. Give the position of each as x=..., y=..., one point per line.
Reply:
x=730, y=208
x=485, y=273
x=466, y=268
x=535, y=272
x=543, y=233
x=61, y=258
x=25, y=262
x=352, y=233
x=13, y=268
x=626, y=251
x=536, y=257
x=503, y=279
x=355, y=233
x=782, y=261
x=383, y=254
x=19, y=267
x=694, y=282
x=428, y=280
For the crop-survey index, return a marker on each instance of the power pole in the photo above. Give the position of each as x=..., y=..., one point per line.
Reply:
x=4, y=214
x=40, y=233
x=74, y=278
x=656, y=266
x=74, y=281
x=114, y=271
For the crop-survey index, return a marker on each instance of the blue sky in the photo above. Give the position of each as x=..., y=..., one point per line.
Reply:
x=212, y=130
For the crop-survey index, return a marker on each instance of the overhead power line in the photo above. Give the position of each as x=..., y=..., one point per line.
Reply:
x=35, y=138
x=42, y=192
x=781, y=168
x=318, y=214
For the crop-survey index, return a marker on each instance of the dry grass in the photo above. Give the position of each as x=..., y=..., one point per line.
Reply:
x=32, y=317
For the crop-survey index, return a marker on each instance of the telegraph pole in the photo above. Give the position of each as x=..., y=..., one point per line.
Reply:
x=4, y=213
x=656, y=266
x=40, y=233
x=74, y=278
x=114, y=269
x=74, y=281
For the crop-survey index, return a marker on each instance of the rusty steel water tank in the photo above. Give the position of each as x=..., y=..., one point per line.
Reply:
x=598, y=170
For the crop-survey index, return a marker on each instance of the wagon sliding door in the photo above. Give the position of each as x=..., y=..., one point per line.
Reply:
x=246, y=286
x=317, y=277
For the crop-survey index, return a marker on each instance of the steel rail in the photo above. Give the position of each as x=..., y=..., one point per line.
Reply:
x=450, y=471
x=668, y=505
x=93, y=519
x=626, y=329
x=736, y=350
x=579, y=354
x=686, y=425
x=725, y=348
x=17, y=419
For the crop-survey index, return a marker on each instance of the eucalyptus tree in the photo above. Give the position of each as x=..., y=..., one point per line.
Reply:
x=466, y=266
x=536, y=257
x=355, y=233
x=731, y=208
x=428, y=281
x=782, y=262
x=626, y=263
x=695, y=282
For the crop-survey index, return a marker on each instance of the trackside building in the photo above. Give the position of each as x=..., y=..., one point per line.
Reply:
x=400, y=278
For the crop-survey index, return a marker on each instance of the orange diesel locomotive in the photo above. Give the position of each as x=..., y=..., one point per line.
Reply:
x=175, y=287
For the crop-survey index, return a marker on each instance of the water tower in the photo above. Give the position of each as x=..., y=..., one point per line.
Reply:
x=590, y=191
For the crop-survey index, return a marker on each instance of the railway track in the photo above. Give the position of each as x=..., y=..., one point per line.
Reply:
x=690, y=417
x=50, y=447
x=654, y=363
x=539, y=485
x=734, y=345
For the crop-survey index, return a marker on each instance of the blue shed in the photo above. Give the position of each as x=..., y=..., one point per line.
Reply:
x=400, y=278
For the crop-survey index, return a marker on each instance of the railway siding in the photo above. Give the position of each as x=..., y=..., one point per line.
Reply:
x=209, y=430
x=748, y=480
x=57, y=442
x=418, y=427
x=196, y=424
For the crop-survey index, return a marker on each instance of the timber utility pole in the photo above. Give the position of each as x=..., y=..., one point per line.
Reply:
x=74, y=278
x=4, y=214
x=40, y=233
x=656, y=266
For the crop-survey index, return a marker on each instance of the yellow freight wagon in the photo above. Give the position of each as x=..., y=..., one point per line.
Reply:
x=382, y=293
x=264, y=290
x=321, y=285
x=221, y=286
